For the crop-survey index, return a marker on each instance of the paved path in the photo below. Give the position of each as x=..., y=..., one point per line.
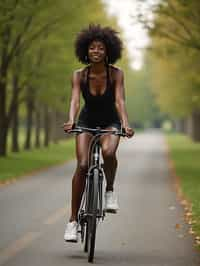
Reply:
x=34, y=210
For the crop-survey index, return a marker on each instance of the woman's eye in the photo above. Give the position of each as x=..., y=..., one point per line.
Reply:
x=100, y=48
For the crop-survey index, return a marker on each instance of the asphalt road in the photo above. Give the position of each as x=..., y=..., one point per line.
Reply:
x=34, y=211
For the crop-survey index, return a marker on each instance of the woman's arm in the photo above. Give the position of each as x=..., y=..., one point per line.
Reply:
x=120, y=102
x=74, y=102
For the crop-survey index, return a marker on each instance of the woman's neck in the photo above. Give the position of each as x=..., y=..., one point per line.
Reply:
x=98, y=67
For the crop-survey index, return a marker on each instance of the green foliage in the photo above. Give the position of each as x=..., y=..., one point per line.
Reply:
x=174, y=56
x=175, y=79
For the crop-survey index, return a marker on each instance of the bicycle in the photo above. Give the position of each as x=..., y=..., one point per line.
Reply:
x=91, y=209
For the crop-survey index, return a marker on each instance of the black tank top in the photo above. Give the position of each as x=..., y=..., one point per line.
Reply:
x=99, y=110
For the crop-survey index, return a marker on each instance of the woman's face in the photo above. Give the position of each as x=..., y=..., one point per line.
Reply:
x=96, y=52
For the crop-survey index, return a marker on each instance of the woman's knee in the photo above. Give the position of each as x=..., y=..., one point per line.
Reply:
x=108, y=153
x=82, y=166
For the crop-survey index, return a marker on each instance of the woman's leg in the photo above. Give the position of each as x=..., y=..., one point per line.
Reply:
x=78, y=181
x=109, y=144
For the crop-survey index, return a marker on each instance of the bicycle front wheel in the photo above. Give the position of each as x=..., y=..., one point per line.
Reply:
x=92, y=219
x=86, y=232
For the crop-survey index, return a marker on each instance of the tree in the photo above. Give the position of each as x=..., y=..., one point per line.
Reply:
x=175, y=54
x=17, y=33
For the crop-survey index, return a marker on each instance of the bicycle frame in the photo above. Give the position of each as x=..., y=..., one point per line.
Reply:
x=95, y=162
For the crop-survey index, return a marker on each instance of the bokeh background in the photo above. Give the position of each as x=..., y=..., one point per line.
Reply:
x=161, y=63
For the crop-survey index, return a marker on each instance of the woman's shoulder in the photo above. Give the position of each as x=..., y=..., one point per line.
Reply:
x=116, y=68
x=80, y=74
x=79, y=71
x=115, y=71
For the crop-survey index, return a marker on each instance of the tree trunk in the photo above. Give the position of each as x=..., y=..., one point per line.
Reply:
x=54, y=127
x=46, y=126
x=194, y=126
x=3, y=120
x=15, y=130
x=3, y=138
x=37, y=127
x=15, y=117
x=180, y=125
x=58, y=120
x=29, y=122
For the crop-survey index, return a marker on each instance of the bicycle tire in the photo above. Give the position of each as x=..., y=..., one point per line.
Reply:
x=86, y=237
x=82, y=232
x=92, y=219
x=88, y=209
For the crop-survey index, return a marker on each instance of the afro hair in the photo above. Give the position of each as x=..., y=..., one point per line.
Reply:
x=95, y=32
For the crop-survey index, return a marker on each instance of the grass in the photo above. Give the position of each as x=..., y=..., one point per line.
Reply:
x=186, y=157
x=18, y=164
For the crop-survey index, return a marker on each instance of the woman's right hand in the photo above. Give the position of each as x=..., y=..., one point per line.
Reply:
x=68, y=126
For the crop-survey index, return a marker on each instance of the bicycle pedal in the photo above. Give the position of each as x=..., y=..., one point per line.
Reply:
x=72, y=241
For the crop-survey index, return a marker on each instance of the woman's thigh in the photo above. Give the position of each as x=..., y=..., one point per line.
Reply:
x=82, y=147
x=109, y=143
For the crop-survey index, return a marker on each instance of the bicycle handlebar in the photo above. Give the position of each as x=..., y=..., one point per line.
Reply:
x=98, y=131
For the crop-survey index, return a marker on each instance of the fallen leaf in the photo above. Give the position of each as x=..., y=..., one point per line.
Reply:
x=198, y=242
x=178, y=226
x=188, y=214
x=184, y=202
x=191, y=231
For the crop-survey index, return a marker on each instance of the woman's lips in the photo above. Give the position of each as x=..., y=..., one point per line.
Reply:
x=96, y=57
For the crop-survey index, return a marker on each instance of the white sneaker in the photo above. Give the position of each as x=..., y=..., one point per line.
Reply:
x=111, y=204
x=71, y=232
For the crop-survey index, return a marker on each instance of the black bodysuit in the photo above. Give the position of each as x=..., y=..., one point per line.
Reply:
x=99, y=110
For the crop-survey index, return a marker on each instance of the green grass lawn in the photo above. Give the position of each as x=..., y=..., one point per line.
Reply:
x=17, y=164
x=186, y=157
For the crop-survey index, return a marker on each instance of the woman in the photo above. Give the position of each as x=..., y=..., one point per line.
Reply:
x=102, y=88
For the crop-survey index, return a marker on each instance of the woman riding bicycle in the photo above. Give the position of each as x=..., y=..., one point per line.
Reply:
x=102, y=87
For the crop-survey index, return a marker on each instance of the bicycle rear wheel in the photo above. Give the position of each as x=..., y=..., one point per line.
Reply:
x=92, y=221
